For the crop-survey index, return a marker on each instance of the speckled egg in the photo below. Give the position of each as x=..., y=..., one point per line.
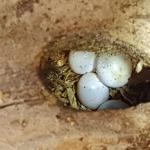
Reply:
x=82, y=62
x=114, y=70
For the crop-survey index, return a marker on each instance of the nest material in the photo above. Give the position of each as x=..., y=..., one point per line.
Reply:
x=59, y=78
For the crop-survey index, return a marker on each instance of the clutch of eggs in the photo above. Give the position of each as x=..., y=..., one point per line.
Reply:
x=111, y=70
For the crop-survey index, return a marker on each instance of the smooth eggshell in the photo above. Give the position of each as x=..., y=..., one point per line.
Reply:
x=113, y=104
x=91, y=92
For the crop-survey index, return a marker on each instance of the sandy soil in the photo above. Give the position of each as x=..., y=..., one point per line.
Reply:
x=31, y=118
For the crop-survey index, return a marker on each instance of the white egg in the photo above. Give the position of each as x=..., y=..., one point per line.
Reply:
x=113, y=104
x=114, y=70
x=82, y=62
x=91, y=92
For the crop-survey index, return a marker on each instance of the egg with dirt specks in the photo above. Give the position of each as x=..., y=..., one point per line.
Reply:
x=82, y=62
x=114, y=70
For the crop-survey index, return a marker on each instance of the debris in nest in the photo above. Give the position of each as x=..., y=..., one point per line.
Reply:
x=139, y=66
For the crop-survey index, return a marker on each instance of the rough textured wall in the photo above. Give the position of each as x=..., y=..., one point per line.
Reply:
x=26, y=26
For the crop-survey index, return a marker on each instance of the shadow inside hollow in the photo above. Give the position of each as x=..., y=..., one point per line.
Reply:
x=139, y=87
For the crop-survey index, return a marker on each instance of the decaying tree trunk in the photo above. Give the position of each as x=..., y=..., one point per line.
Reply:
x=30, y=117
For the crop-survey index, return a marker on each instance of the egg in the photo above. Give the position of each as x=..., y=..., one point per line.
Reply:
x=113, y=104
x=91, y=92
x=82, y=62
x=114, y=70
